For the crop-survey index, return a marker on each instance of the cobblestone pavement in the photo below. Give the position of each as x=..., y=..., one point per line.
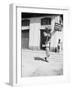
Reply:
x=33, y=63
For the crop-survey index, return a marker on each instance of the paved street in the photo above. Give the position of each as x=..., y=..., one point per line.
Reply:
x=33, y=63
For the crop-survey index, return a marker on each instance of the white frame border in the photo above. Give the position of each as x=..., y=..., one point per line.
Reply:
x=14, y=65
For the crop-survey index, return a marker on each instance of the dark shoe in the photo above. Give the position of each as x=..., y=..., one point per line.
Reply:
x=46, y=59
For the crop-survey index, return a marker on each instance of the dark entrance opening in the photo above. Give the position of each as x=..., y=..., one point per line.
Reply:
x=25, y=39
x=42, y=39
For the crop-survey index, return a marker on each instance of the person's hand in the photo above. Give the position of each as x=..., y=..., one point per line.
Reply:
x=45, y=34
x=43, y=45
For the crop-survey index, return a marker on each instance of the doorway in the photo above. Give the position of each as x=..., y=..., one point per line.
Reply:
x=25, y=39
x=42, y=39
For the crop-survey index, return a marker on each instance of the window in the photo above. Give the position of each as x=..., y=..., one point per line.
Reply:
x=46, y=21
x=25, y=22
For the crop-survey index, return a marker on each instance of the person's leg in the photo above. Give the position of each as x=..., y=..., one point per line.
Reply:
x=58, y=48
x=47, y=54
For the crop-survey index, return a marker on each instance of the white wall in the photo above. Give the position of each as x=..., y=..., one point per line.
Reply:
x=54, y=40
x=58, y=34
x=34, y=33
x=54, y=20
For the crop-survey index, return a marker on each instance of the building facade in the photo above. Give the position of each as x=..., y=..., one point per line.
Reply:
x=32, y=31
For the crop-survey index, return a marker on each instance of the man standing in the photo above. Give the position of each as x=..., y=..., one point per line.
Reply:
x=47, y=34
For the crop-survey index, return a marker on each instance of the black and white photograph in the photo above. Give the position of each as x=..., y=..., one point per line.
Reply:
x=38, y=45
x=41, y=44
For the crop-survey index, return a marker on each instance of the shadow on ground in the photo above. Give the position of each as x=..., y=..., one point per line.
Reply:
x=39, y=58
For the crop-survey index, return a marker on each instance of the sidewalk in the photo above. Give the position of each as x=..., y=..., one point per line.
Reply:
x=32, y=67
